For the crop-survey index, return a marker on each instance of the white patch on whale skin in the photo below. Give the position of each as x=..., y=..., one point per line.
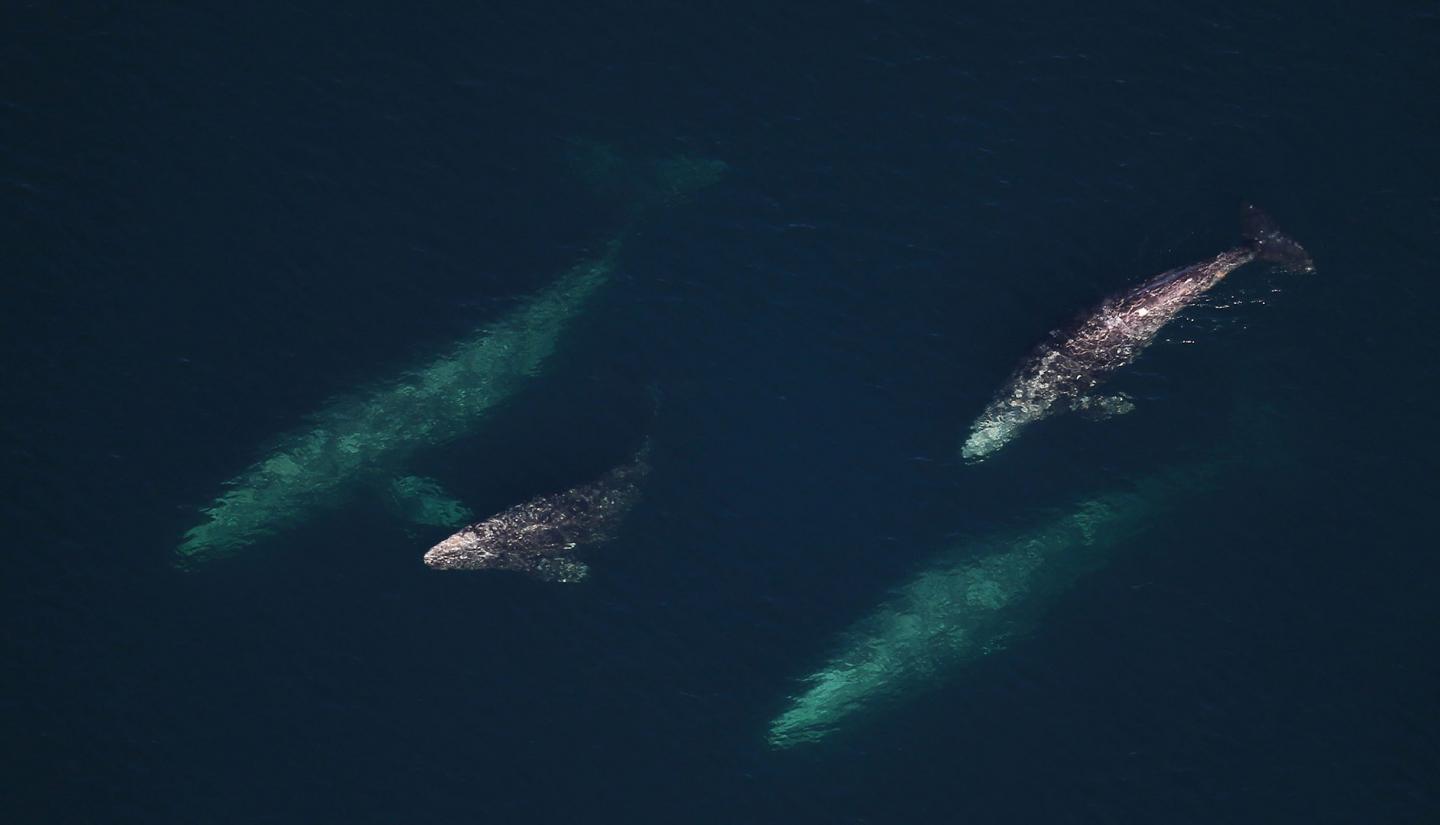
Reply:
x=463, y=551
x=987, y=436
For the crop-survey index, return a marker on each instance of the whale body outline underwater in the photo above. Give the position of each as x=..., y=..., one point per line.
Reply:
x=369, y=437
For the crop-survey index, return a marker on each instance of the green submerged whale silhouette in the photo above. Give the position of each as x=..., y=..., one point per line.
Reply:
x=367, y=439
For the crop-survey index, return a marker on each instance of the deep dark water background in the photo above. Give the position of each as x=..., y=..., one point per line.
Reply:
x=216, y=217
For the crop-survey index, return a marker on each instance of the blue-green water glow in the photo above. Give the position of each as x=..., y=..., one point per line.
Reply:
x=322, y=238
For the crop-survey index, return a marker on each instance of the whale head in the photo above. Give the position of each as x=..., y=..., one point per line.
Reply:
x=469, y=549
x=504, y=542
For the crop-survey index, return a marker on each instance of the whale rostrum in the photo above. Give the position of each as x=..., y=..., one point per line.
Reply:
x=1065, y=369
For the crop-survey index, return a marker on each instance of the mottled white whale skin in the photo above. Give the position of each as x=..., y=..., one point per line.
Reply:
x=971, y=601
x=541, y=536
x=1064, y=370
x=367, y=438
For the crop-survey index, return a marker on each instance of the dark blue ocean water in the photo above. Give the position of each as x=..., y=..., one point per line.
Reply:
x=215, y=217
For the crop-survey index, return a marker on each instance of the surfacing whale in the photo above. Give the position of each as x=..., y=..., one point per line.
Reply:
x=540, y=536
x=1064, y=370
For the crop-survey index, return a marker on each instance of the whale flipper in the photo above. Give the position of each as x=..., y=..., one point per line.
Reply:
x=560, y=569
x=1102, y=407
x=423, y=501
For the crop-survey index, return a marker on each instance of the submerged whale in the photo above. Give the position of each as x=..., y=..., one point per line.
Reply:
x=540, y=536
x=972, y=600
x=1064, y=370
x=367, y=439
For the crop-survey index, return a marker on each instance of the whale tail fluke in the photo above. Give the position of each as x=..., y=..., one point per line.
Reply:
x=1270, y=244
x=641, y=183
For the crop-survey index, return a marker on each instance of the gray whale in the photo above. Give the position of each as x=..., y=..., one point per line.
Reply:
x=1064, y=370
x=540, y=536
